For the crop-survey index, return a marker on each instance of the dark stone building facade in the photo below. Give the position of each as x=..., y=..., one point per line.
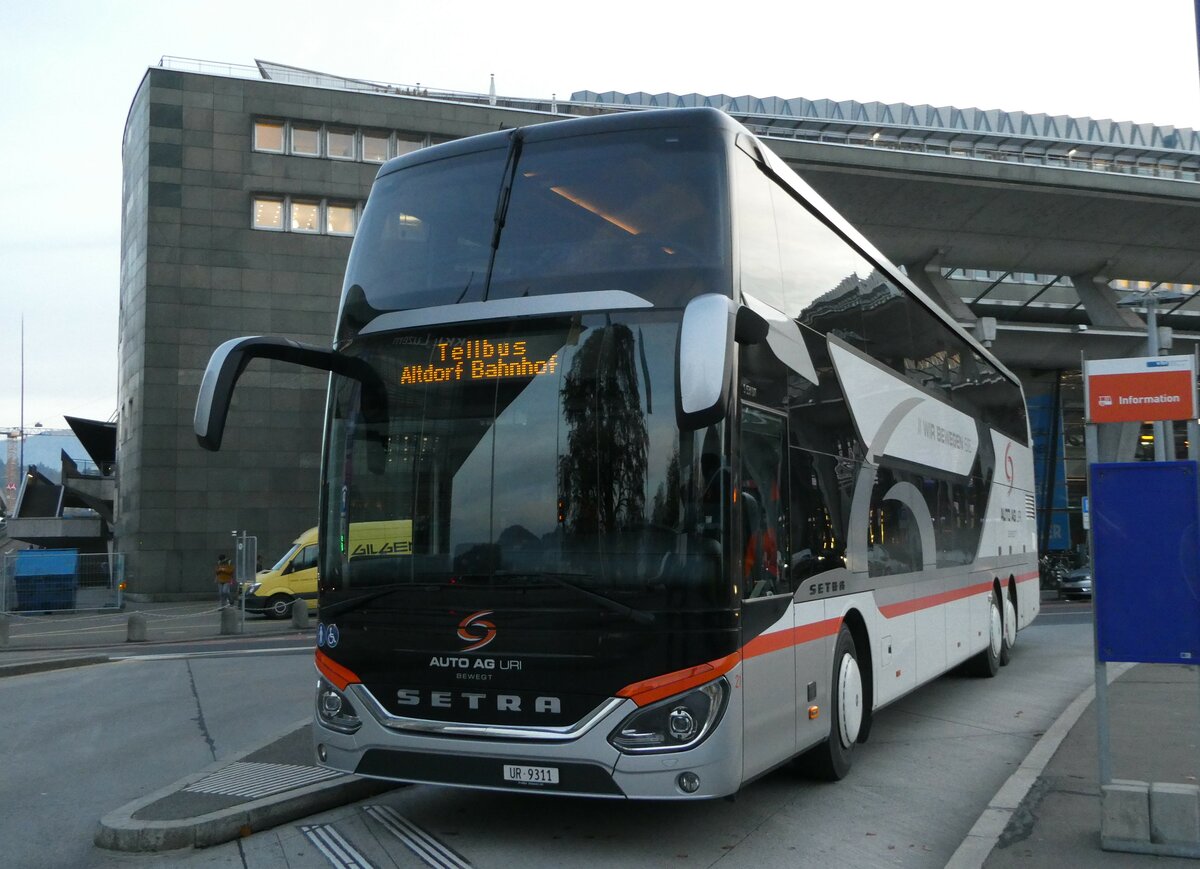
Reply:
x=240, y=198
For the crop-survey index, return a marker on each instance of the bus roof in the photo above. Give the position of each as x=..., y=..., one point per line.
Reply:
x=698, y=118
x=620, y=121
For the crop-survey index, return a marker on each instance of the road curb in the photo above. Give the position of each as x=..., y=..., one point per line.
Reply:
x=120, y=831
x=26, y=667
x=983, y=836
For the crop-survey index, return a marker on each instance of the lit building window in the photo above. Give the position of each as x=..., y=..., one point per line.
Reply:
x=339, y=219
x=306, y=140
x=313, y=139
x=268, y=136
x=375, y=147
x=268, y=213
x=310, y=216
x=340, y=144
x=306, y=217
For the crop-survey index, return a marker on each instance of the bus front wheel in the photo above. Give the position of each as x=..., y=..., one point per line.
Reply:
x=831, y=760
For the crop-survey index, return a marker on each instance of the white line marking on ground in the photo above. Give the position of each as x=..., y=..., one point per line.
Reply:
x=334, y=846
x=177, y=656
x=421, y=843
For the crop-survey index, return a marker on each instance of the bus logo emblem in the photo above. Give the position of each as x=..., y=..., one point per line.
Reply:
x=470, y=627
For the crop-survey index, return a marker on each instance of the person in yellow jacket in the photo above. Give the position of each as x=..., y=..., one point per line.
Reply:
x=224, y=580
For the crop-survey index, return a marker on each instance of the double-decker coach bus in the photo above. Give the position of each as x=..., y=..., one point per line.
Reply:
x=685, y=479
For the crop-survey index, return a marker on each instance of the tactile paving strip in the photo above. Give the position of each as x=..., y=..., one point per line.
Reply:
x=260, y=779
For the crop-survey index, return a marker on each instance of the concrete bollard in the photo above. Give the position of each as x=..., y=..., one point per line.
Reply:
x=230, y=623
x=299, y=613
x=1125, y=814
x=1174, y=814
x=5, y=621
x=135, y=631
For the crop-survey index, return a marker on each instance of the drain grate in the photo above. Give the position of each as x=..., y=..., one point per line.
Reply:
x=260, y=779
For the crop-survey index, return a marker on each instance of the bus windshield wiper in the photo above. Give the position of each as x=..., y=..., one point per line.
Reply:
x=516, y=143
x=332, y=610
x=636, y=615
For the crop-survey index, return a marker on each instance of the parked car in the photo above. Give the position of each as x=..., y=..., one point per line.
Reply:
x=1077, y=583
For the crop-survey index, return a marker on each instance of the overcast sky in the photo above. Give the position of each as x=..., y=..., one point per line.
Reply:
x=68, y=71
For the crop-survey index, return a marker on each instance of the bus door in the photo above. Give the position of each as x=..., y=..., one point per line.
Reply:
x=769, y=663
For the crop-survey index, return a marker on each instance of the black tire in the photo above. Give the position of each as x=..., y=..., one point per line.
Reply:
x=1009, y=614
x=279, y=606
x=832, y=759
x=987, y=663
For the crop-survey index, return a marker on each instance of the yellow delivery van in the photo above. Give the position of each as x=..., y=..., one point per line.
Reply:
x=295, y=575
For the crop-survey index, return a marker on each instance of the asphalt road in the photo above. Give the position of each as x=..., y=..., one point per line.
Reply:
x=935, y=759
x=81, y=742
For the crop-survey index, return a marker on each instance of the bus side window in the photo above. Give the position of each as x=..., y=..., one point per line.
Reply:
x=762, y=504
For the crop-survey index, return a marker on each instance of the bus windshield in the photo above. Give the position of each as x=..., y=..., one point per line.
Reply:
x=539, y=456
x=642, y=211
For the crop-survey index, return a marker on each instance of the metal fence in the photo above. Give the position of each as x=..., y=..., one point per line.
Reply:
x=61, y=580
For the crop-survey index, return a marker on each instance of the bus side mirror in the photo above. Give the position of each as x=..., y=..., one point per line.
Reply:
x=711, y=324
x=230, y=359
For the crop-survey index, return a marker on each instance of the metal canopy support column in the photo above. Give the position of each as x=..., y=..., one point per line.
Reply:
x=927, y=275
x=1100, y=302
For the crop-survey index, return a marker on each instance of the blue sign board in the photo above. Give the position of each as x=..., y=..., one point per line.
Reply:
x=1146, y=574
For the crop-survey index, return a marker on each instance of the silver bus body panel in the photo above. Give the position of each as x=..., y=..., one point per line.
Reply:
x=717, y=760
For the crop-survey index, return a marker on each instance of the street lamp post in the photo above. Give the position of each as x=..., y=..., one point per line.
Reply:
x=1150, y=299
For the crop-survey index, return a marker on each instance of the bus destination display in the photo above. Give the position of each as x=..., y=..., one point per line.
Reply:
x=478, y=359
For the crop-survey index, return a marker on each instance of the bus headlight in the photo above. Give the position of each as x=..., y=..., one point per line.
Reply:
x=673, y=724
x=334, y=709
x=253, y=587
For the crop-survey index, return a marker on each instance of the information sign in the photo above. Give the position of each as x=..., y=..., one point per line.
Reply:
x=1147, y=388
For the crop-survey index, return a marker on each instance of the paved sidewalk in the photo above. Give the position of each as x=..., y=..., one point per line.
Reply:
x=1155, y=730
x=264, y=787
x=56, y=639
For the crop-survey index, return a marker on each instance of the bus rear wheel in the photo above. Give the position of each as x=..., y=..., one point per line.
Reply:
x=1009, y=636
x=986, y=664
x=832, y=759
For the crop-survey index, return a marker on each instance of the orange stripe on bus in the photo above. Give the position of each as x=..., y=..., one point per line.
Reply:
x=920, y=603
x=337, y=675
x=649, y=690
x=764, y=644
x=1025, y=577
